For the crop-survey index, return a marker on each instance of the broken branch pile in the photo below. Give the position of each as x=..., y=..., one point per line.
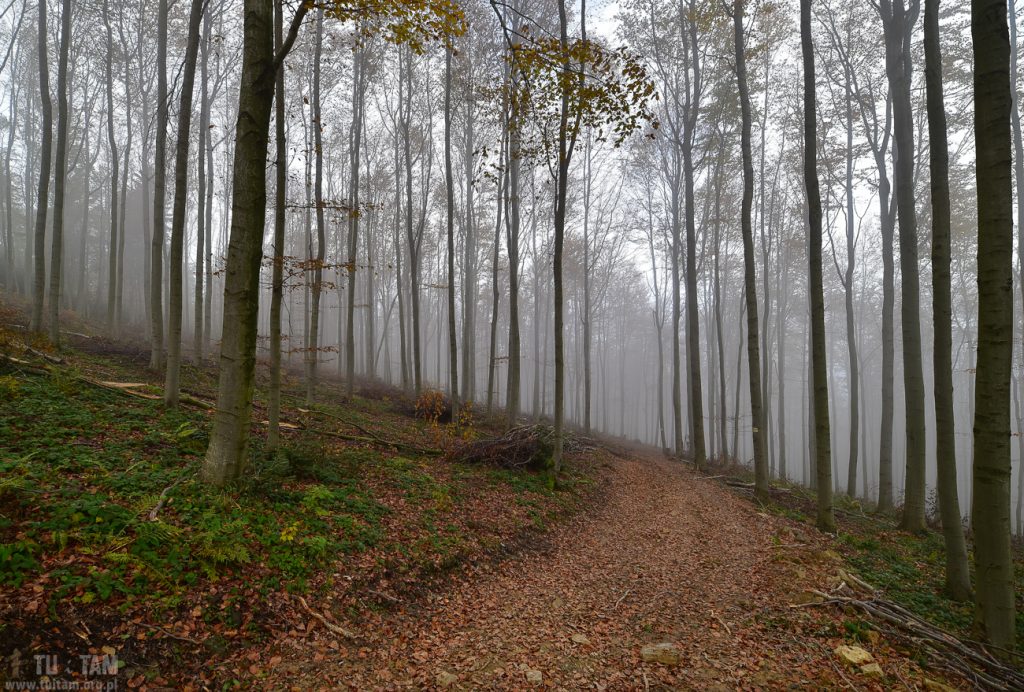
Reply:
x=522, y=447
x=968, y=659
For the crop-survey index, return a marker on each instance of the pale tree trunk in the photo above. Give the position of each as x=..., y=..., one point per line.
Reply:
x=847, y=281
x=226, y=454
x=993, y=563
x=277, y=277
x=178, y=209
x=449, y=181
x=512, y=221
x=898, y=22
x=749, y=271
x=693, y=75
x=114, y=175
x=469, y=290
x=203, y=230
x=958, y=576
x=1018, y=170
x=719, y=332
x=60, y=171
x=313, y=345
x=43, y=191
x=495, y=288
x=822, y=436
x=588, y=184
x=358, y=87
x=156, y=263
x=566, y=140
x=413, y=242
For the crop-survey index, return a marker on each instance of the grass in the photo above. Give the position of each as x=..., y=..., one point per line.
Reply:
x=908, y=568
x=82, y=468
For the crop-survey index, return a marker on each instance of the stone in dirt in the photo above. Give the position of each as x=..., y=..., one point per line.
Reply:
x=534, y=677
x=580, y=639
x=661, y=653
x=854, y=655
x=446, y=679
x=872, y=670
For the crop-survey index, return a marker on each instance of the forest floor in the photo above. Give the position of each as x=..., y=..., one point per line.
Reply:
x=361, y=556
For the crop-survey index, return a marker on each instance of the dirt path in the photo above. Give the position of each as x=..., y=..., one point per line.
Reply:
x=669, y=557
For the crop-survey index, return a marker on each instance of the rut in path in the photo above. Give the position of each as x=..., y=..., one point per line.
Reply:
x=668, y=557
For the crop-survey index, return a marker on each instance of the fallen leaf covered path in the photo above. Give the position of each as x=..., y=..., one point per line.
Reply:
x=667, y=557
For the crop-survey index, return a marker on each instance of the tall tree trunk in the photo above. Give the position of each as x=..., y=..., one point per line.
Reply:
x=43, y=191
x=692, y=312
x=993, y=561
x=749, y=270
x=156, y=263
x=358, y=87
x=226, y=454
x=823, y=456
x=114, y=175
x=449, y=181
x=60, y=170
x=851, y=256
x=277, y=276
x=512, y=221
x=179, y=210
x=958, y=576
x=469, y=289
x=313, y=347
x=203, y=231
x=898, y=22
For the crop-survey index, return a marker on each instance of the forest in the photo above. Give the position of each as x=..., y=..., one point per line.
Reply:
x=500, y=344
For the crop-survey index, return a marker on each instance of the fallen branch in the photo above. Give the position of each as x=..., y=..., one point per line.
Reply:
x=336, y=629
x=964, y=658
x=163, y=498
x=371, y=437
x=525, y=446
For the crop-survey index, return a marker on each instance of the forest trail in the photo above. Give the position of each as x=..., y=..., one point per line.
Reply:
x=666, y=557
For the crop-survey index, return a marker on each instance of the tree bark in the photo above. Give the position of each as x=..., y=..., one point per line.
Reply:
x=156, y=263
x=993, y=563
x=43, y=190
x=958, y=577
x=178, y=210
x=226, y=454
x=749, y=271
x=277, y=275
x=822, y=437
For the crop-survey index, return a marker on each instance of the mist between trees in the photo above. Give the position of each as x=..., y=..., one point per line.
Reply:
x=442, y=174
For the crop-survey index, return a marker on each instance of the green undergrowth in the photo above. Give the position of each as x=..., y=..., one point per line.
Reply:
x=100, y=501
x=908, y=568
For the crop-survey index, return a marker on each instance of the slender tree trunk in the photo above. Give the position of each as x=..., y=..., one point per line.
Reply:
x=993, y=561
x=749, y=270
x=156, y=263
x=114, y=175
x=958, y=577
x=42, y=193
x=178, y=210
x=313, y=347
x=453, y=353
x=277, y=278
x=60, y=171
x=203, y=231
x=469, y=289
x=851, y=332
x=358, y=87
x=898, y=23
x=823, y=456
x=226, y=454
x=692, y=311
